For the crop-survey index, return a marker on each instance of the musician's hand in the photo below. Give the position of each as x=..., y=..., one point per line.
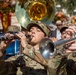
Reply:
x=71, y=46
x=54, y=39
x=22, y=38
x=72, y=30
x=73, y=27
x=5, y=43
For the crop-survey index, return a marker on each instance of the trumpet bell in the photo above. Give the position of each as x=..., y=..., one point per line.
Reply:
x=46, y=48
x=35, y=10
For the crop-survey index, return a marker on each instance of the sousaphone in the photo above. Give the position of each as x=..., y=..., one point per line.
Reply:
x=28, y=11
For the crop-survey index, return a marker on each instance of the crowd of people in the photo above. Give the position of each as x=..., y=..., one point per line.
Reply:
x=30, y=61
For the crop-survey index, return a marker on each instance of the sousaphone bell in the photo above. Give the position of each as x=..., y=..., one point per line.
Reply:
x=28, y=11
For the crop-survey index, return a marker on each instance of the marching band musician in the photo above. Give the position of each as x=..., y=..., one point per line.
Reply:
x=32, y=62
x=64, y=63
x=68, y=32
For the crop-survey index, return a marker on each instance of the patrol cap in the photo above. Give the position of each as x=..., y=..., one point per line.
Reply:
x=14, y=28
x=41, y=25
x=63, y=29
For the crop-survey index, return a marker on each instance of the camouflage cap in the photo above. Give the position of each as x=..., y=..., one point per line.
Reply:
x=43, y=26
x=13, y=28
x=63, y=29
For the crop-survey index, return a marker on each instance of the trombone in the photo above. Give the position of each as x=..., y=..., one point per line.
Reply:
x=48, y=48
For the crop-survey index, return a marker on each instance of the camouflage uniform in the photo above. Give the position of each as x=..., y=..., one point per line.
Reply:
x=71, y=64
x=31, y=66
x=62, y=65
x=56, y=65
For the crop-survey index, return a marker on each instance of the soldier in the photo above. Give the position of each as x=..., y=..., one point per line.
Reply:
x=30, y=62
x=67, y=64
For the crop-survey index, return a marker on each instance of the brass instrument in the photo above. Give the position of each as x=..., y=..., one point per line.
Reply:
x=2, y=37
x=28, y=11
x=48, y=48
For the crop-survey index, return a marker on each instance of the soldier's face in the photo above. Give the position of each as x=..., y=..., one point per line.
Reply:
x=66, y=35
x=36, y=35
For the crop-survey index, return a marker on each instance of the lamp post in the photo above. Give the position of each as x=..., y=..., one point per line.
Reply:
x=58, y=7
x=74, y=12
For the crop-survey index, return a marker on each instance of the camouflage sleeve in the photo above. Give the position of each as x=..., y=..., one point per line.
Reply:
x=56, y=65
x=10, y=67
x=71, y=63
x=7, y=67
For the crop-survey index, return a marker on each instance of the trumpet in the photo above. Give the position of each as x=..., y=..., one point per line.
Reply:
x=48, y=48
x=2, y=38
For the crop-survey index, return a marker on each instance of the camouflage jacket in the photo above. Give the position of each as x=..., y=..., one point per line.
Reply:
x=24, y=64
x=28, y=65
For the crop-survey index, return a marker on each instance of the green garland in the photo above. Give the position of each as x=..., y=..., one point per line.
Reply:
x=69, y=5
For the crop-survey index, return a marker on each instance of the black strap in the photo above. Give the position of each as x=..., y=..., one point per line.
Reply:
x=62, y=63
